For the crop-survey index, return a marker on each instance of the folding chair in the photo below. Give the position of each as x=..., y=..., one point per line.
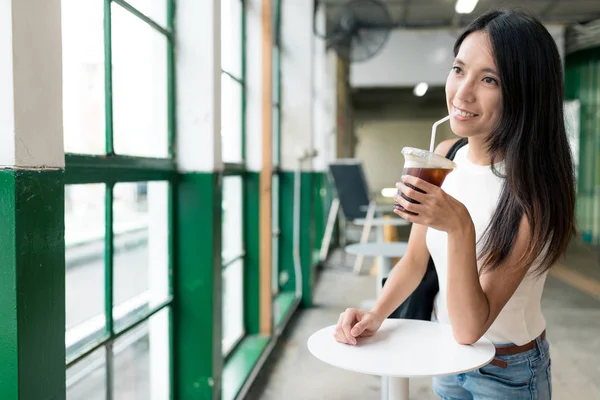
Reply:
x=352, y=194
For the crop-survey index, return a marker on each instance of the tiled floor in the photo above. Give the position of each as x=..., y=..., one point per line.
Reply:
x=571, y=309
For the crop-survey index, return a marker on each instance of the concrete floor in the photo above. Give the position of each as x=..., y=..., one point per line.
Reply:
x=571, y=305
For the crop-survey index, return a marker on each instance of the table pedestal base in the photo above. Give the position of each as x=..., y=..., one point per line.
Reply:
x=397, y=388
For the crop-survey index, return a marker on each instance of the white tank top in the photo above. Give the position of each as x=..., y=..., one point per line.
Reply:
x=521, y=319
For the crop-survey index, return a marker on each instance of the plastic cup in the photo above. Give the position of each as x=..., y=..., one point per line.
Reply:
x=425, y=165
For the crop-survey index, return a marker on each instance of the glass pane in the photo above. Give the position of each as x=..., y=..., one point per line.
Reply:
x=231, y=37
x=142, y=361
x=139, y=87
x=232, y=218
x=231, y=119
x=233, y=304
x=276, y=136
x=141, y=249
x=156, y=10
x=87, y=379
x=275, y=240
x=84, y=262
x=83, y=76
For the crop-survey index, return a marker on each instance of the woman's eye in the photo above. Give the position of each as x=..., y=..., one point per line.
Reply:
x=489, y=80
x=456, y=69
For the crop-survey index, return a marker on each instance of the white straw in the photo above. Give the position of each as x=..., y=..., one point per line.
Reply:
x=434, y=128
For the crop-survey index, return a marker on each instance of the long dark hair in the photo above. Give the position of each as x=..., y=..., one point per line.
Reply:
x=531, y=139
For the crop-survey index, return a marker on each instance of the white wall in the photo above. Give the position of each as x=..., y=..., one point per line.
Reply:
x=31, y=123
x=324, y=101
x=297, y=46
x=413, y=56
x=384, y=132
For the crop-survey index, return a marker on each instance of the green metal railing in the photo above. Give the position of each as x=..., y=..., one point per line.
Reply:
x=111, y=169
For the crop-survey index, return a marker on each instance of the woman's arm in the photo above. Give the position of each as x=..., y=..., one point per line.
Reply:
x=474, y=302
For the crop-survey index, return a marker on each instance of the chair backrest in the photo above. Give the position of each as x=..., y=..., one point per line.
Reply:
x=351, y=186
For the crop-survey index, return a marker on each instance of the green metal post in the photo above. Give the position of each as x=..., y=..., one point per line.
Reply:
x=252, y=253
x=108, y=83
x=171, y=80
x=109, y=288
x=197, y=328
x=32, y=285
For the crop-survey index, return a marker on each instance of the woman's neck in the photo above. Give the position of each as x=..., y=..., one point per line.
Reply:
x=478, y=154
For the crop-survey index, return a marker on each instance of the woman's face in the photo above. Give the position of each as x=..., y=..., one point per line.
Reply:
x=473, y=88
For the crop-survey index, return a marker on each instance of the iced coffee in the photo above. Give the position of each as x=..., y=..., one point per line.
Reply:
x=425, y=165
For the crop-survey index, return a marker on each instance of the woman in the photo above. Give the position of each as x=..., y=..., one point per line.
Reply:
x=501, y=219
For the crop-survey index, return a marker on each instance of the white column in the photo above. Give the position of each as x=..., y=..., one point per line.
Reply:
x=297, y=82
x=31, y=118
x=198, y=74
x=324, y=99
x=198, y=146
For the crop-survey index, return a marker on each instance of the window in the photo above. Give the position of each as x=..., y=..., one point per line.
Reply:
x=232, y=255
x=232, y=145
x=139, y=86
x=232, y=80
x=83, y=76
x=119, y=118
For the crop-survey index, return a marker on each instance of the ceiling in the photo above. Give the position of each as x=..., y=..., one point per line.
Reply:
x=440, y=13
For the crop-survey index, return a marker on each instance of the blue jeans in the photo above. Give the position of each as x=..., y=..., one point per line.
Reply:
x=528, y=376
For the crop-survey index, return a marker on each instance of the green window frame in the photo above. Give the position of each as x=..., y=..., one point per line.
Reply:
x=276, y=112
x=110, y=169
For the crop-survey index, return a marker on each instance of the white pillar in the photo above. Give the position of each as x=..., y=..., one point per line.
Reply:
x=324, y=99
x=297, y=42
x=31, y=152
x=198, y=74
x=31, y=118
x=198, y=143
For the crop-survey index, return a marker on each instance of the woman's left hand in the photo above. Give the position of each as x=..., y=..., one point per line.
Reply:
x=437, y=209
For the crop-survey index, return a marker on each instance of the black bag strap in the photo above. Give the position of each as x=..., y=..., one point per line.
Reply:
x=419, y=305
x=455, y=147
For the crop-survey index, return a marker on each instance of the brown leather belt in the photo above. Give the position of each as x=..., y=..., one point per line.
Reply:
x=510, y=350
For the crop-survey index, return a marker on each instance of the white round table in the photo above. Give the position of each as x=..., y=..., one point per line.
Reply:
x=382, y=221
x=403, y=349
x=378, y=223
x=385, y=251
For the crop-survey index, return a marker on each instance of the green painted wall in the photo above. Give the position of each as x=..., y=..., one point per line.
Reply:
x=582, y=82
x=252, y=248
x=313, y=212
x=32, y=285
x=197, y=282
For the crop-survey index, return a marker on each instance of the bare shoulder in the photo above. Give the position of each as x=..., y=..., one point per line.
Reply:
x=443, y=148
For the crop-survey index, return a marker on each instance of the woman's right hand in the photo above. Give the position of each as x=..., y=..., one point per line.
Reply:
x=355, y=323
